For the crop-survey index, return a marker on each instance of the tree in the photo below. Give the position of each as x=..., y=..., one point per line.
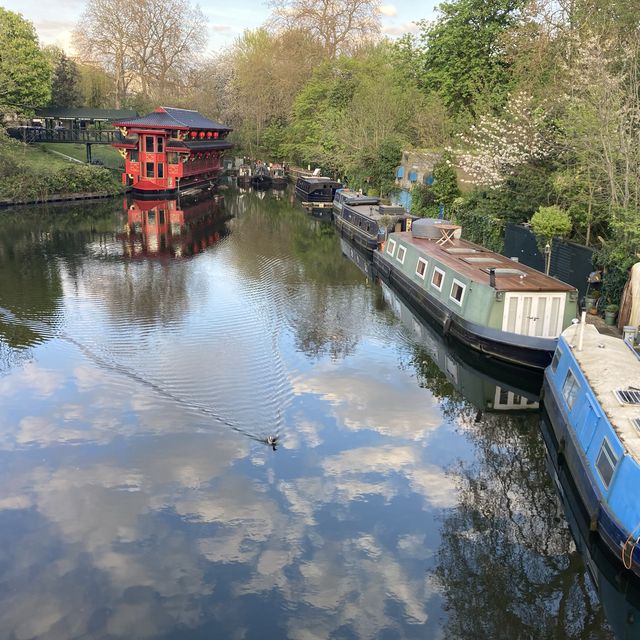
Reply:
x=149, y=46
x=65, y=81
x=462, y=55
x=341, y=26
x=25, y=73
x=96, y=86
x=497, y=145
x=548, y=223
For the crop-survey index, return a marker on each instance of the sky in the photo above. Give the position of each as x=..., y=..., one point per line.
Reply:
x=54, y=21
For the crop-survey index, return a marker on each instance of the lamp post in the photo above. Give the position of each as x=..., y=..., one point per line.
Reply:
x=547, y=258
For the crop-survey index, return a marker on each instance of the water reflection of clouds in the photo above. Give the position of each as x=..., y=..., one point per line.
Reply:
x=385, y=400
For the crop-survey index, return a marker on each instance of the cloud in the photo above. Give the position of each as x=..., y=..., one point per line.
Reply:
x=388, y=10
x=401, y=29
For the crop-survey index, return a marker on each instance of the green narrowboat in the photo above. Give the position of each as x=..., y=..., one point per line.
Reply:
x=490, y=303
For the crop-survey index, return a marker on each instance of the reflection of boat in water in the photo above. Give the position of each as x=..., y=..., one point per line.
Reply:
x=617, y=588
x=278, y=176
x=487, y=387
x=592, y=397
x=361, y=261
x=173, y=228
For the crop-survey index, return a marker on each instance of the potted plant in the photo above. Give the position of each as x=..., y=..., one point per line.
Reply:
x=610, y=313
x=591, y=302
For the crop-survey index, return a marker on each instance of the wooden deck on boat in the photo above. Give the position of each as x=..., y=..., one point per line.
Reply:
x=608, y=364
x=473, y=261
x=376, y=211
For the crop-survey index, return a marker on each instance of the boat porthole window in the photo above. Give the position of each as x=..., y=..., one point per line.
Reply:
x=437, y=279
x=421, y=268
x=391, y=247
x=570, y=389
x=457, y=292
x=402, y=251
x=606, y=463
x=556, y=359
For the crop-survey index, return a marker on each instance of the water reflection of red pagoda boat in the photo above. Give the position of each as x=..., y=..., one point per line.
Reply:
x=171, y=149
x=171, y=228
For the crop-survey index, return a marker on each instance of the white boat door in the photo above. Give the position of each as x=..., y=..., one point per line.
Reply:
x=534, y=314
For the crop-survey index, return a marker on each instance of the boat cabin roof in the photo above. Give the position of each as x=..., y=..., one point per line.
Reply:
x=375, y=211
x=609, y=365
x=473, y=261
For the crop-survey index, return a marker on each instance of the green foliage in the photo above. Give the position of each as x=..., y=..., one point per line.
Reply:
x=25, y=73
x=550, y=222
x=25, y=179
x=462, y=57
x=65, y=81
x=373, y=169
x=426, y=199
x=479, y=224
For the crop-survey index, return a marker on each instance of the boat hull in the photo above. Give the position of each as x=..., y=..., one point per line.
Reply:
x=363, y=241
x=535, y=353
x=602, y=521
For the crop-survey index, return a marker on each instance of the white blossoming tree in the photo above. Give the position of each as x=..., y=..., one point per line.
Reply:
x=496, y=145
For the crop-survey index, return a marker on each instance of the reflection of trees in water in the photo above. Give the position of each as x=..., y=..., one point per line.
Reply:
x=507, y=563
x=31, y=239
x=299, y=258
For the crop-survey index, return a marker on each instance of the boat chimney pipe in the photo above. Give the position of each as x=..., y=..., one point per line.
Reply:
x=583, y=321
x=492, y=278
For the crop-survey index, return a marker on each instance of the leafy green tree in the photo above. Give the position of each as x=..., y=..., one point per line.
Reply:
x=462, y=55
x=96, y=86
x=548, y=223
x=65, y=81
x=25, y=73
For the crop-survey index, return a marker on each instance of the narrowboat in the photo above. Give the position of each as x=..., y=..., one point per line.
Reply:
x=591, y=395
x=364, y=221
x=315, y=190
x=245, y=173
x=490, y=303
x=278, y=176
x=171, y=149
x=261, y=178
x=618, y=589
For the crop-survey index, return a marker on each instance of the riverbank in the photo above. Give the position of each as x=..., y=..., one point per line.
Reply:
x=32, y=174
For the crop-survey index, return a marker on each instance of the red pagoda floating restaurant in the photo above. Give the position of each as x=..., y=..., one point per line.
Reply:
x=171, y=149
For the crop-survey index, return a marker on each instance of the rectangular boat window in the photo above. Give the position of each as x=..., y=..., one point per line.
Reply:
x=149, y=144
x=402, y=252
x=133, y=155
x=160, y=144
x=421, y=268
x=150, y=170
x=160, y=170
x=570, y=389
x=391, y=247
x=437, y=279
x=457, y=291
x=606, y=463
x=556, y=359
x=172, y=157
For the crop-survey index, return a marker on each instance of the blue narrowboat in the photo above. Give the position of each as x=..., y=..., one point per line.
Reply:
x=591, y=395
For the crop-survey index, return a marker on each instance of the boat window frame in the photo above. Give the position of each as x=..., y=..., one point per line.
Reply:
x=570, y=395
x=606, y=451
x=462, y=286
x=557, y=356
x=443, y=274
x=402, y=248
x=150, y=141
x=391, y=247
x=426, y=266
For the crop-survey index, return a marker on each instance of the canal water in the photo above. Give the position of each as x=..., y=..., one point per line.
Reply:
x=214, y=424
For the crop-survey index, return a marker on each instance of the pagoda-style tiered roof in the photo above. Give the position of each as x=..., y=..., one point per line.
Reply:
x=172, y=118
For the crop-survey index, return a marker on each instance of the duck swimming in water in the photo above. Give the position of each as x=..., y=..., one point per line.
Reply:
x=272, y=441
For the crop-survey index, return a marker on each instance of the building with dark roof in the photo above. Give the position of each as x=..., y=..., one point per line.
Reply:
x=169, y=149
